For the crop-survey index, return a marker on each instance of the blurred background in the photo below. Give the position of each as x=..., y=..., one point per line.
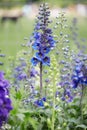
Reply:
x=17, y=22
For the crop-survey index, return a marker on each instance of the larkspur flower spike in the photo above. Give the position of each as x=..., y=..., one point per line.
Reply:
x=79, y=76
x=5, y=102
x=43, y=39
x=1, y=55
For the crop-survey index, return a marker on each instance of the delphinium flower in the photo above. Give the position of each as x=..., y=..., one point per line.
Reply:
x=67, y=95
x=43, y=40
x=33, y=72
x=5, y=101
x=23, y=75
x=79, y=79
x=40, y=102
x=79, y=76
x=20, y=66
x=20, y=73
x=63, y=56
x=65, y=83
x=33, y=75
x=79, y=63
x=79, y=42
x=1, y=55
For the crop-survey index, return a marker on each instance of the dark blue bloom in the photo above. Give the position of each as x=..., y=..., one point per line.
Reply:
x=46, y=61
x=40, y=102
x=45, y=50
x=40, y=56
x=34, y=61
x=44, y=99
x=37, y=35
x=79, y=75
x=36, y=46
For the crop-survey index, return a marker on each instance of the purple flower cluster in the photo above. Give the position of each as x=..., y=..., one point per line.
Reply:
x=33, y=72
x=65, y=83
x=43, y=39
x=5, y=102
x=67, y=95
x=79, y=76
x=20, y=72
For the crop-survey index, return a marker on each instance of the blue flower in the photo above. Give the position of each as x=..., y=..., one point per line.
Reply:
x=39, y=56
x=45, y=50
x=36, y=46
x=44, y=99
x=40, y=102
x=34, y=61
x=46, y=61
x=37, y=35
x=79, y=75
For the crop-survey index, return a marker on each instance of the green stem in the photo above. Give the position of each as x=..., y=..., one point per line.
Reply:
x=53, y=109
x=41, y=86
x=81, y=105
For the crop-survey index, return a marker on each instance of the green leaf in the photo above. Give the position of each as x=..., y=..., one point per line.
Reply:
x=60, y=120
x=33, y=122
x=48, y=112
x=43, y=119
x=72, y=111
x=73, y=120
x=18, y=95
x=18, y=128
x=28, y=112
x=21, y=116
x=67, y=128
x=81, y=126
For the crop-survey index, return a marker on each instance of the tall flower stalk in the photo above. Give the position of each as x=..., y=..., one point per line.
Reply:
x=5, y=101
x=40, y=77
x=54, y=90
x=81, y=101
x=42, y=40
x=79, y=79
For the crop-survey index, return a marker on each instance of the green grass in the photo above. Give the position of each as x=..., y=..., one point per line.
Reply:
x=82, y=27
x=12, y=36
